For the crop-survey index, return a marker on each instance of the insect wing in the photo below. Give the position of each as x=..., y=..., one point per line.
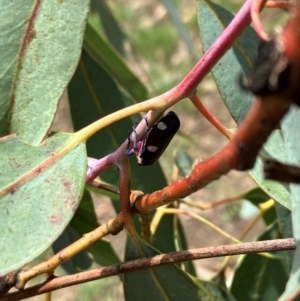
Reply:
x=158, y=139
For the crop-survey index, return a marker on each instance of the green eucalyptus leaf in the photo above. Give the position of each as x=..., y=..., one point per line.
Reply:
x=111, y=27
x=274, y=149
x=105, y=55
x=213, y=19
x=39, y=196
x=40, y=47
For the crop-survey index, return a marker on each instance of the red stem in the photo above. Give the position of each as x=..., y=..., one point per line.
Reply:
x=211, y=118
x=240, y=154
x=216, y=51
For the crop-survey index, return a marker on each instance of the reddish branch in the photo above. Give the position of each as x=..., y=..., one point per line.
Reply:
x=279, y=89
x=240, y=154
x=150, y=262
x=216, y=51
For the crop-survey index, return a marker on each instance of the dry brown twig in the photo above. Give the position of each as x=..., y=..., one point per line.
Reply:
x=151, y=262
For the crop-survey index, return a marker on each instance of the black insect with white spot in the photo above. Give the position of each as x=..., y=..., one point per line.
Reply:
x=155, y=140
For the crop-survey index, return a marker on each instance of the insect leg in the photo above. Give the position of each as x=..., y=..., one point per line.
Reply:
x=135, y=146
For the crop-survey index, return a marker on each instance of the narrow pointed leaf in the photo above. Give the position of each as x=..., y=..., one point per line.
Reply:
x=173, y=13
x=111, y=27
x=38, y=196
x=104, y=54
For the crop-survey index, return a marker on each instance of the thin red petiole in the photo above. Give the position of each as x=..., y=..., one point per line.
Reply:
x=216, y=123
